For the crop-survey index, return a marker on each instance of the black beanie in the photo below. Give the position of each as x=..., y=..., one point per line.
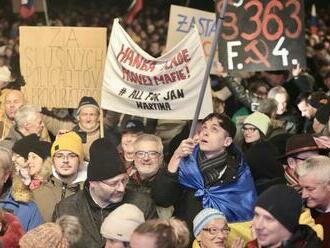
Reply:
x=105, y=162
x=283, y=203
x=31, y=143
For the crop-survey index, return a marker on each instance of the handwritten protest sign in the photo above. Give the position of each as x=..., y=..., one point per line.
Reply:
x=62, y=64
x=183, y=19
x=262, y=35
x=163, y=88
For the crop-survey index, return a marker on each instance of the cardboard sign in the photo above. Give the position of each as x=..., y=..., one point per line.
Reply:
x=162, y=88
x=62, y=64
x=38, y=5
x=183, y=19
x=262, y=35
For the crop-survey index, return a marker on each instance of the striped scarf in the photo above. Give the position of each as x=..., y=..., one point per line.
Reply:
x=212, y=169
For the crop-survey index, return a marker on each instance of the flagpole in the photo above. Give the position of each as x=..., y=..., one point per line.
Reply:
x=208, y=68
x=46, y=11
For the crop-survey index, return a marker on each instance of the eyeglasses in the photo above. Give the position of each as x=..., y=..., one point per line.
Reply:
x=116, y=184
x=62, y=156
x=249, y=129
x=215, y=230
x=150, y=154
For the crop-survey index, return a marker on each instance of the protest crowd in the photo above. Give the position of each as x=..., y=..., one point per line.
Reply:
x=255, y=171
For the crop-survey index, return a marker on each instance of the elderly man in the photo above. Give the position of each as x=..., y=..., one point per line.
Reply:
x=314, y=178
x=298, y=148
x=104, y=191
x=208, y=173
x=13, y=100
x=69, y=174
x=28, y=120
x=275, y=222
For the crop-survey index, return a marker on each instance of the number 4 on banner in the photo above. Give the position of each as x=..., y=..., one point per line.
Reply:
x=283, y=52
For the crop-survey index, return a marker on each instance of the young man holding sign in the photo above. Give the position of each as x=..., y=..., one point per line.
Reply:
x=207, y=171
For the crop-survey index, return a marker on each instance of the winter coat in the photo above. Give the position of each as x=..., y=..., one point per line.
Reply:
x=188, y=202
x=303, y=237
x=54, y=190
x=91, y=215
x=27, y=212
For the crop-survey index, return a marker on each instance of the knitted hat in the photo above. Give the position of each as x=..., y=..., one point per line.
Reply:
x=318, y=98
x=105, y=161
x=87, y=101
x=31, y=143
x=121, y=222
x=286, y=207
x=323, y=114
x=259, y=120
x=48, y=235
x=70, y=141
x=133, y=126
x=204, y=217
x=300, y=143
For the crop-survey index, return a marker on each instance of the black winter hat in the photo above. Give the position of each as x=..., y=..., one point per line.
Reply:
x=133, y=126
x=105, y=162
x=283, y=203
x=31, y=143
x=87, y=101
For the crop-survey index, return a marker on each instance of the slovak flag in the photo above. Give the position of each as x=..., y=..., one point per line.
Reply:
x=26, y=8
x=313, y=20
x=133, y=9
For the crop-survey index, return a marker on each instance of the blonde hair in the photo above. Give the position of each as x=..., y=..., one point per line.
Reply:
x=318, y=166
x=278, y=90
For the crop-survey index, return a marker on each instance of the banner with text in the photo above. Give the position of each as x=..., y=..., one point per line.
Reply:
x=62, y=64
x=262, y=35
x=162, y=88
x=183, y=19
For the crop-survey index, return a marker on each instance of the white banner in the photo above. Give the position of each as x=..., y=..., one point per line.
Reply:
x=161, y=88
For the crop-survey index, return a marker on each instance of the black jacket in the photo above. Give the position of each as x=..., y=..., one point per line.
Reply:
x=91, y=215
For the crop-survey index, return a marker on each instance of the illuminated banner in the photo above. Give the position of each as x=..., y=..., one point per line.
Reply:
x=262, y=35
x=162, y=88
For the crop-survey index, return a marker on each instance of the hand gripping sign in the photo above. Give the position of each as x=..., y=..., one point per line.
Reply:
x=163, y=88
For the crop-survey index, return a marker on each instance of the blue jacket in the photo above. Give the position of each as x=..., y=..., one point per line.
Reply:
x=236, y=199
x=27, y=212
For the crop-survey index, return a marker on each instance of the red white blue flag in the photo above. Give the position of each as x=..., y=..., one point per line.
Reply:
x=313, y=20
x=26, y=9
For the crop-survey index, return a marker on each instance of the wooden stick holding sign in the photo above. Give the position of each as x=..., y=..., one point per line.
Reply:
x=208, y=68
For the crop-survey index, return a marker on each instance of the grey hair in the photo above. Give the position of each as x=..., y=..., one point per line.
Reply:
x=71, y=228
x=149, y=137
x=318, y=166
x=26, y=113
x=277, y=90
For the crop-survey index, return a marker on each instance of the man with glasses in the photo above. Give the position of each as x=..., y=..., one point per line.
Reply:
x=314, y=179
x=298, y=148
x=104, y=191
x=275, y=222
x=68, y=173
x=147, y=160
